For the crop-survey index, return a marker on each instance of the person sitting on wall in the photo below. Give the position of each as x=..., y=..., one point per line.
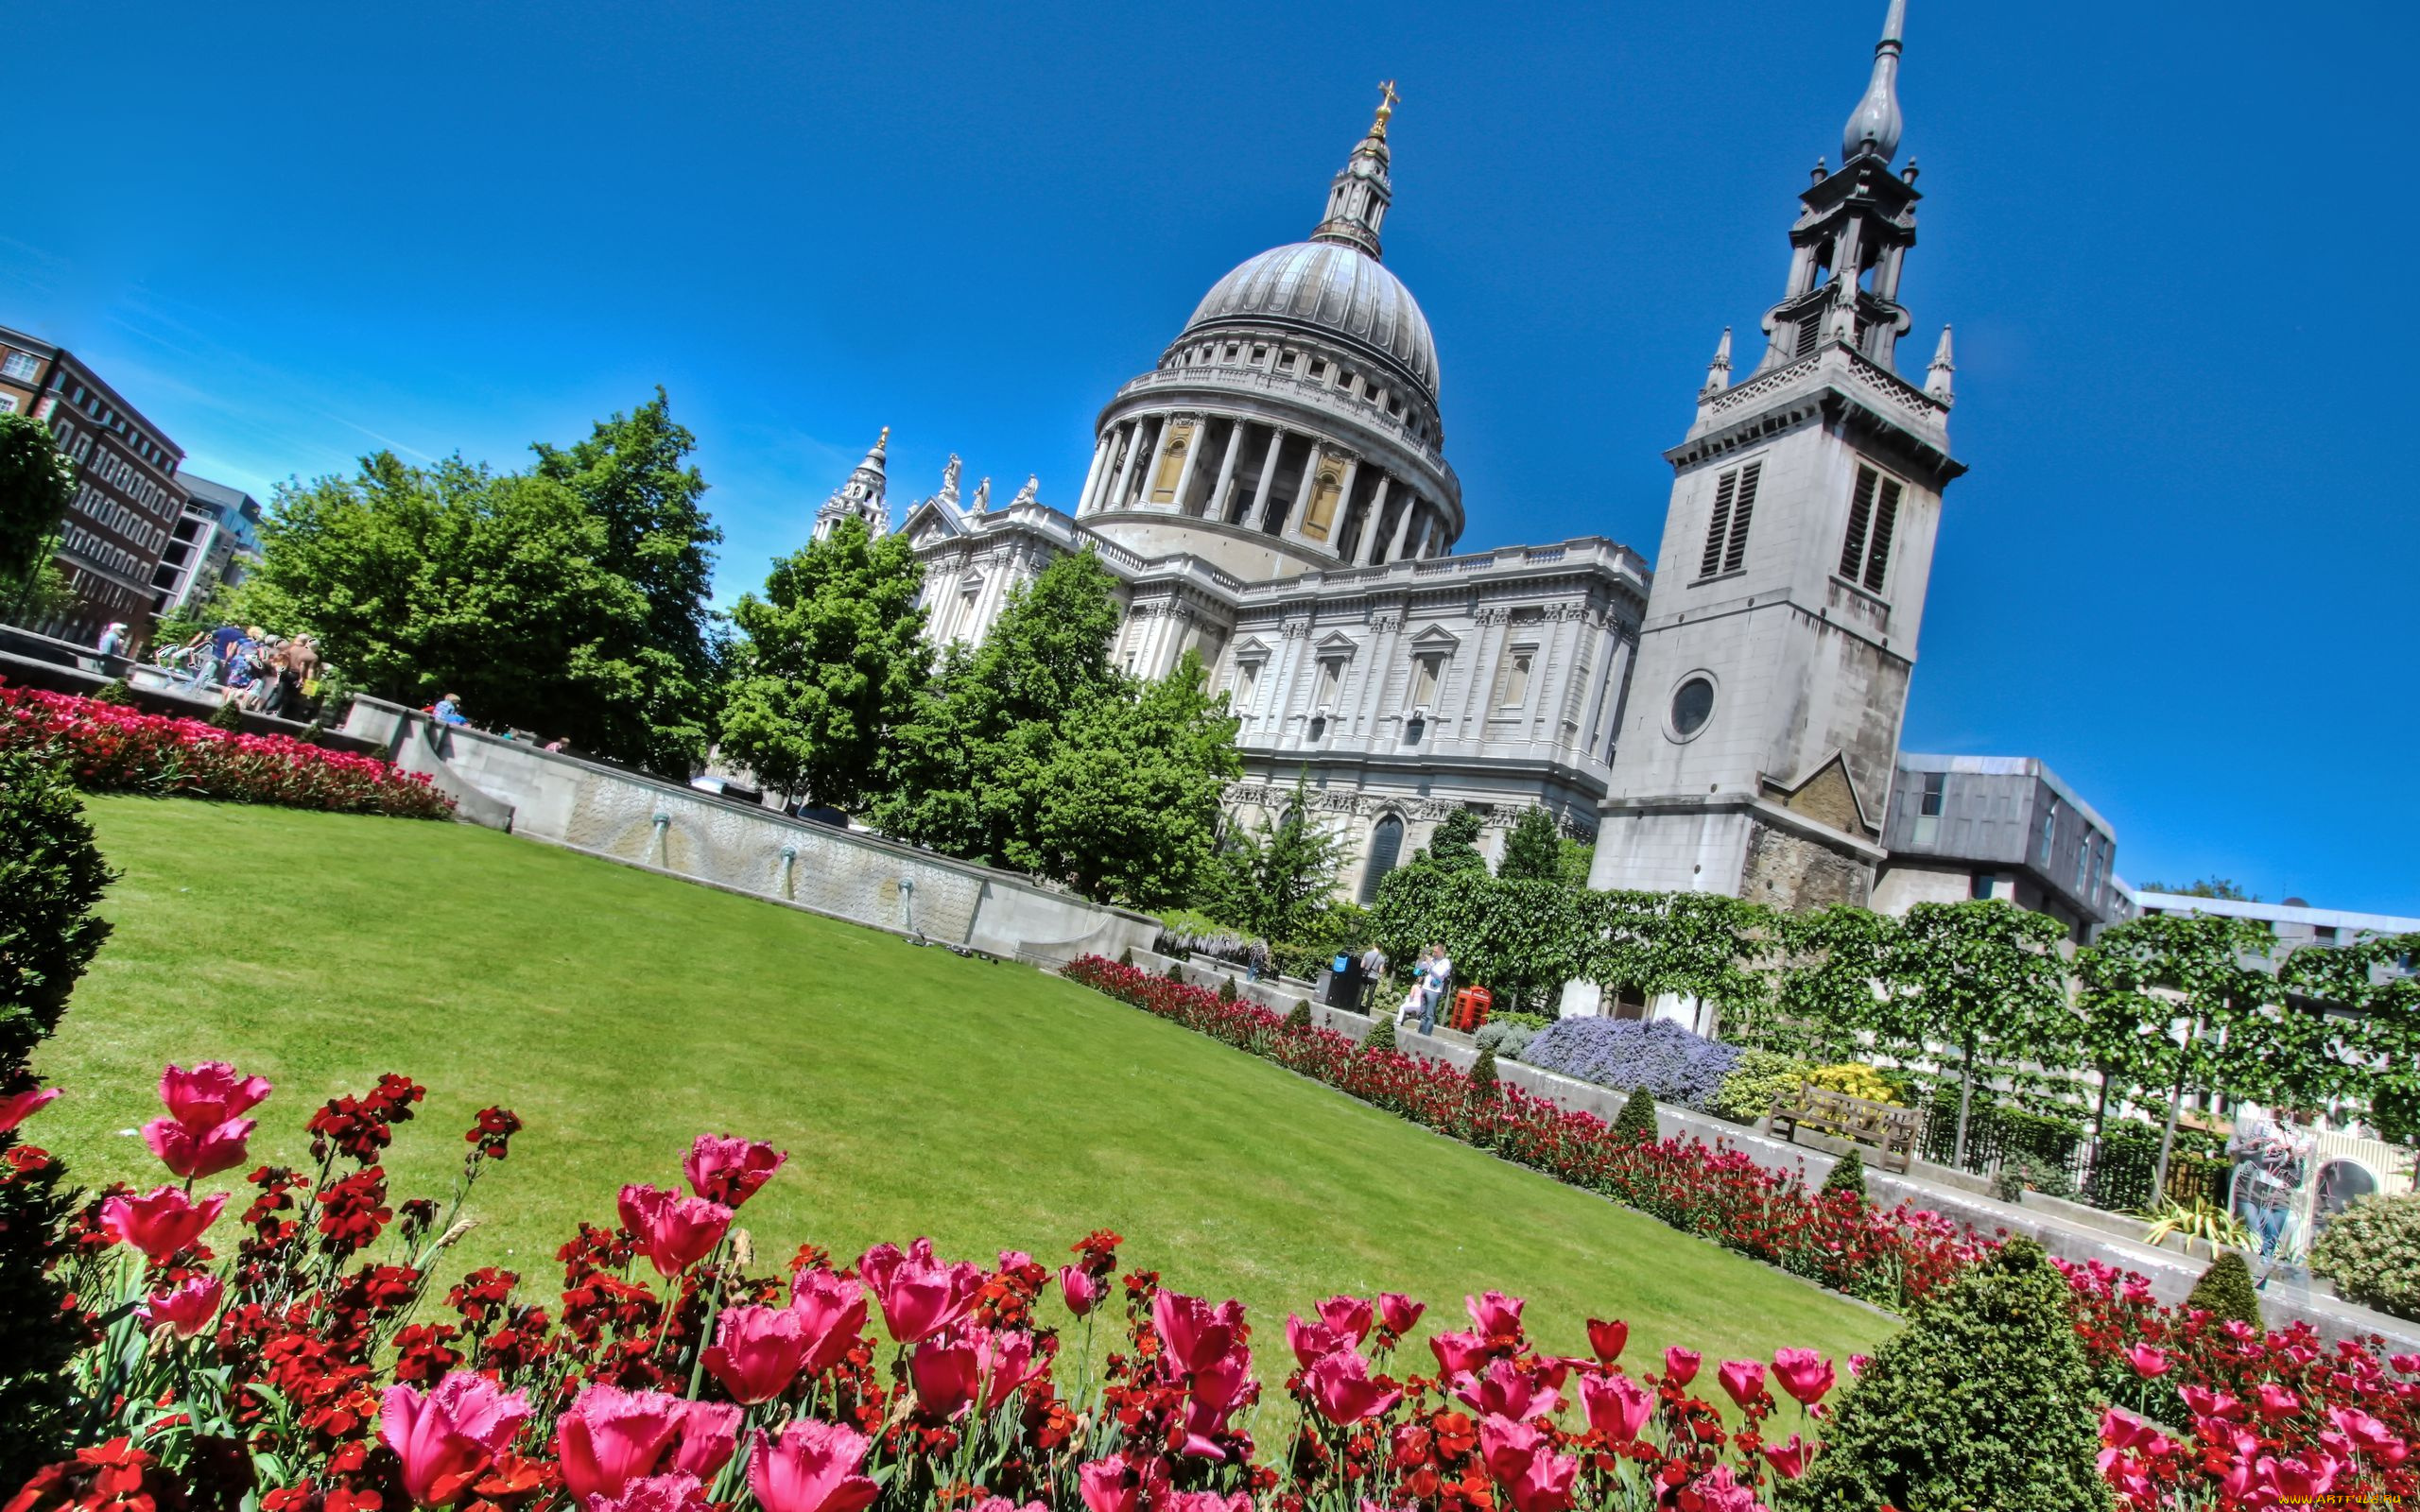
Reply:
x=449, y=711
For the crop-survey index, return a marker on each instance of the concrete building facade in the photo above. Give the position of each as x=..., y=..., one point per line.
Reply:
x=1960, y=827
x=126, y=501
x=215, y=541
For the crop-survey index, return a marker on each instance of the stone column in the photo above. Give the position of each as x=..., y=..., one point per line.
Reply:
x=1268, y=475
x=1092, y=478
x=1218, y=500
x=1134, y=439
x=1343, y=506
x=1293, y=527
x=1368, y=546
x=1151, y=468
x=1403, y=528
x=1192, y=462
x=1554, y=655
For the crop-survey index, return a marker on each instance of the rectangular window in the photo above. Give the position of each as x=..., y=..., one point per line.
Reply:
x=1983, y=884
x=2049, y=827
x=2083, y=861
x=1928, y=805
x=1513, y=678
x=1726, y=532
x=1873, y=515
x=1246, y=678
x=7, y=404
x=1326, y=492
x=1331, y=678
x=1424, y=671
x=19, y=365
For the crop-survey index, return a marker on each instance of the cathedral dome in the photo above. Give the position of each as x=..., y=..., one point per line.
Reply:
x=1331, y=289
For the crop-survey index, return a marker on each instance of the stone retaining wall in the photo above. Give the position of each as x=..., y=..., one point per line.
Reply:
x=641, y=820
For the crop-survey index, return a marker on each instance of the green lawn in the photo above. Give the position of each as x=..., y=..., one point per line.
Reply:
x=621, y=1014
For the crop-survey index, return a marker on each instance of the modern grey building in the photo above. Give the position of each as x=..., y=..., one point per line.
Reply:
x=215, y=541
x=2005, y=827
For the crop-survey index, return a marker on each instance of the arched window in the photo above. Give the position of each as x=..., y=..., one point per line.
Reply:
x=1385, y=848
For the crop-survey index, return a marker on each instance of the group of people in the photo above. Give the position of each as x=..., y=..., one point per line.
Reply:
x=1429, y=976
x=251, y=668
x=2273, y=1162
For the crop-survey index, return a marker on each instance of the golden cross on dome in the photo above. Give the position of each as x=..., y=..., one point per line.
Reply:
x=1387, y=98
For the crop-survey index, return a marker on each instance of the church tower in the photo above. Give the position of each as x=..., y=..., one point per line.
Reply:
x=1755, y=753
x=864, y=496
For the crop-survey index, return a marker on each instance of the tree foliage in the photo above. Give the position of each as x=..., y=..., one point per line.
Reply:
x=1534, y=851
x=37, y=484
x=2223, y=888
x=826, y=664
x=1982, y=976
x=634, y=476
x=1985, y=1399
x=1033, y=752
x=1274, y=878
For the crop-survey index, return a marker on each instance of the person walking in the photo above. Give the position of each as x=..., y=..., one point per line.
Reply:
x=113, y=640
x=1373, y=966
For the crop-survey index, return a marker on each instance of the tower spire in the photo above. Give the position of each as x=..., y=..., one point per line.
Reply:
x=863, y=497
x=1357, y=197
x=1937, y=376
x=1717, y=373
x=1875, y=124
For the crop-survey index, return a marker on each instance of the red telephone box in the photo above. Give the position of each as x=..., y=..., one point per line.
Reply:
x=1471, y=1006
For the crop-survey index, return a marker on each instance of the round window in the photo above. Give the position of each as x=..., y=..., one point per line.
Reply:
x=1692, y=705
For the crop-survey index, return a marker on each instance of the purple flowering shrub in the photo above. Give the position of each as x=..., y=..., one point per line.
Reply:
x=1674, y=1065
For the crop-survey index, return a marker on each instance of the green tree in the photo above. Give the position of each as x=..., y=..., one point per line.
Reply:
x=2223, y=888
x=1982, y=975
x=37, y=484
x=632, y=475
x=1985, y=1399
x=1127, y=804
x=1278, y=875
x=420, y=582
x=826, y=664
x=1534, y=851
x=1826, y=982
x=1693, y=944
x=1454, y=844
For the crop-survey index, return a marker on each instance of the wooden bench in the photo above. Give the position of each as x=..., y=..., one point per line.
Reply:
x=1886, y=1127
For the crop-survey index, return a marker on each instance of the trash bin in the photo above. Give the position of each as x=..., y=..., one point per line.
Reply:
x=1343, y=982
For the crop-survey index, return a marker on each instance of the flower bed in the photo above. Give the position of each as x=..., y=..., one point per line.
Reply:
x=1889, y=1256
x=315, y=1369
x=2276, y=1417
x=1674, y=1065
x=109, y=748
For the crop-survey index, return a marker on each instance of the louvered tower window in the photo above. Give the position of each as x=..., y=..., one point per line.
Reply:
x=1726, y=534
x=1873, y=515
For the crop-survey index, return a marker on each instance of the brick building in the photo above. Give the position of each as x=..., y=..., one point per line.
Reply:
x=128, y=502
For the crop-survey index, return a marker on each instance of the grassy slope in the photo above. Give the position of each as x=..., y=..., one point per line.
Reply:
x=621, y=1013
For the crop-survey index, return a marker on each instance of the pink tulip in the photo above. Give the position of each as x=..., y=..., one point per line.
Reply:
x=834, y=1317
x=162, y=1221
x=1311, y=1342
x=185, y=1309
x=1607, y=1339
x=2408, y=1364
x=447, y=1435
x=1116, y=1485
x=2122, y=1430
x=2149, y=1363
x=1457, y=1352
x=2207, y=1403
x=193, y=1153
x=1495, y=1314
x=1348, y=1315
x=946, y=1377
x=1722, y=1492
x=1078, y=1290
x=1013, y=1260
x=709, y=1437
x=210, y=1094
x=1399, y=1313
x=675, y=1231
x=1001, y=1503
x=758, y=1352
x=1681, y=1366
x=1341, y=1387
x=1004, y=1360
x=1787, y=1460
x=656, y=1493
x=1502, y=1390
x=1519, y=1454
x=2369, y=1436
x=1545, y=1485
x=610, y=1436
x=1857, y=1364
x=17, y=1109
x=1617, y=1406
x=1208, y=1502
x=920, y=1296
x=1744, y=1380
x=728, y=1171
x=1192, y=1333
x=811, y=1467
x=2275, y=1403
x=1805, y=1375
x=2300, y=1479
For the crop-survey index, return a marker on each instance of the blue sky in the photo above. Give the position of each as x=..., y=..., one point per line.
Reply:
x=2175, y=240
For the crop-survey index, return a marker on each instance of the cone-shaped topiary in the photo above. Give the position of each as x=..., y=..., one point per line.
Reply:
x=1483, y=1076
x=2226, y=1290
x=1300, y=1017
x=1848, y=1175
x=117, y=691
x=1226, y=989
x=227, y=716
x=1985, y=1399
x=1382, y=1033
x=1127, y=959
x=1637, y=1120
x=1176, y=971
